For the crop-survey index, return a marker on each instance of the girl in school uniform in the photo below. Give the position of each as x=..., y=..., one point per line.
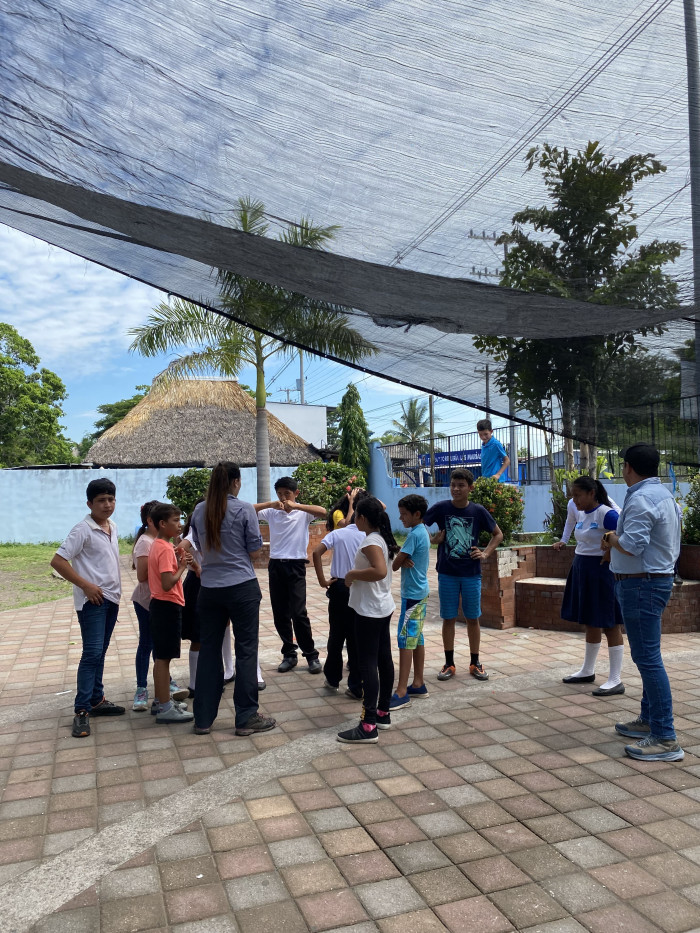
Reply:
x=373, y=604
x=589, y=597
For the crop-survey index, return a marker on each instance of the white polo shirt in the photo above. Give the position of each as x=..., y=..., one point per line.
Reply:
x=94, y=554
x=289, y=533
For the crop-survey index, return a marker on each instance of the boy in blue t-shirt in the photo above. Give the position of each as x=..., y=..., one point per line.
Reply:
x=413, y=560
x=459, y=566
x=494, y=459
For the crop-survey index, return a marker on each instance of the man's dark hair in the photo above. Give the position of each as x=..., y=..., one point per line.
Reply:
x=162, y=512
x=643, y=458
x=484, y=425
x=413, y=504
x=461, y=473
x=286, y=482
x=98, y=487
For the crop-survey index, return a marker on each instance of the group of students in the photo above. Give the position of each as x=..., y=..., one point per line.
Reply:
x=215, y=551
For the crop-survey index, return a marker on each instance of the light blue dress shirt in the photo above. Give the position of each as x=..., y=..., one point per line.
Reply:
x=649, y=528
x=240, y=536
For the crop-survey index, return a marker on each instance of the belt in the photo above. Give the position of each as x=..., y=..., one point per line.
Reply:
x=646, y=576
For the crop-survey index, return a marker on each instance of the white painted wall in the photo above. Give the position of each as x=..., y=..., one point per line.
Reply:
x=43, y=505
x=308, y=421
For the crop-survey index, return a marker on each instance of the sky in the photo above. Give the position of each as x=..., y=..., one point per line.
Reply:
x=77, y=315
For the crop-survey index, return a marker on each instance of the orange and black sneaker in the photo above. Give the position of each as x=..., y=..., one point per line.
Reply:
x=448, y=671
x=477, y=670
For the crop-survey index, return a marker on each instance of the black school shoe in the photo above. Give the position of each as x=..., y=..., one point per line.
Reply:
x=107, y=708
x=287, y=664
x=359, y=736
x=81, y=725
x=315, y=666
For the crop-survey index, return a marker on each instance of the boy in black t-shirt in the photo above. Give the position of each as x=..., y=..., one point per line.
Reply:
x=459, y=566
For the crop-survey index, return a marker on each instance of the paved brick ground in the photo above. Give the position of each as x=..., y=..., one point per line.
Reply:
x=489, y=807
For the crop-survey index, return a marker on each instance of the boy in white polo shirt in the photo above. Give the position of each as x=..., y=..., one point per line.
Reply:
x=289, y=523
x=93, y=548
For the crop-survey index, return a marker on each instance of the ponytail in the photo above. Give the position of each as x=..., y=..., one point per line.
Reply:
x=372, y=509
x=223, y=474
x=342, y=505
x=145, y=512
x=593, y=485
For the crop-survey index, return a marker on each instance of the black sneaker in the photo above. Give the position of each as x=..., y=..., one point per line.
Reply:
x=359, y=736
x=315, y=666
x=107, y=708
x=287, y=664
x=256, y=723
x=384, y=722
x=81, y=725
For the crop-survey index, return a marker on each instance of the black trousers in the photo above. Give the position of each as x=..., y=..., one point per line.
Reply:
x=215, y=606
x=288, y=600
x=376, y=664
x=341, y=630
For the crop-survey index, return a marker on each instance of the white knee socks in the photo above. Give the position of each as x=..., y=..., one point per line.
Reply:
x=615, y=653
x=227, y=654
x=194, y=657
x=589, y=660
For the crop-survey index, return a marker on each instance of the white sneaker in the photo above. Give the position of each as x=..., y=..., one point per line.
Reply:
x=155, y=706
x=140, y=700
x=174, y=714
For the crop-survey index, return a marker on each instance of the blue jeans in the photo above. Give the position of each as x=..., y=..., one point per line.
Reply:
x=96, y=627
x=642, y=601
x=145, y=646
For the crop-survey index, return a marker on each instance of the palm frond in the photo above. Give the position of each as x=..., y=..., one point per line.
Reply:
x=180, y=324
x=199, y=363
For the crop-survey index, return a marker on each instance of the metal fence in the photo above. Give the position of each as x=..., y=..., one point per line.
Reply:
x=671, y=425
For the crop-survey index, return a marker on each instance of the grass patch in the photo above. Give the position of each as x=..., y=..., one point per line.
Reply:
x=26, y=577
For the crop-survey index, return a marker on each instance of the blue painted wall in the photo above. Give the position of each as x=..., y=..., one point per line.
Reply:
x=43, y=505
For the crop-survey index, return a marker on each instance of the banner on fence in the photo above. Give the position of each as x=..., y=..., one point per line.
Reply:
x=453, y=458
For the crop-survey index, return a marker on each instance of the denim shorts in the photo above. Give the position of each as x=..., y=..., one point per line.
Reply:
x=451, y=588
x=411, y=623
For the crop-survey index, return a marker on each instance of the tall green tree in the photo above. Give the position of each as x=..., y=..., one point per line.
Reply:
x=216, y=344
x=581, y=246
x=30, y=406
x=354, y=433
x=112, y=413
x=414, y=425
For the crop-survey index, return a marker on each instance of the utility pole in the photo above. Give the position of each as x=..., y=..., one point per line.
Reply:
x=431, y=409
x=693, y=66
x=301, y=378
x=485, y=371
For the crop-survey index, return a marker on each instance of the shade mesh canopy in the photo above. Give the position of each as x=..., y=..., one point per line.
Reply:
x=128, y=131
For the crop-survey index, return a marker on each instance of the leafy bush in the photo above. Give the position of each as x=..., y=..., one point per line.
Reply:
x=691, y=512
x=324, y=483
x=184, y=491
x=503, y=501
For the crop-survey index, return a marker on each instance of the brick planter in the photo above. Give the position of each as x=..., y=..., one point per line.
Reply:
x=317, y=532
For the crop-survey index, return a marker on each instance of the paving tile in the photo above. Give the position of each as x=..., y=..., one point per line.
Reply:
x=254, y=890
x=541, y=863
x=272, y=918
x=474, y=913
x=182, y=846
x=442, y=885
x=671, y=868
x=82, y=920
x=397, y=786
x=347, y=842
x=621, y=918
x=597, y=820
x=132, y=914
x=322, y=821
x=295, y=851
x=417, y=856
x=568, y=925
x=510, y=837
x=188, y=873
x=395, y=832
x=331, y=909
x=626, y=880
x=481, y=815
x=494, y=874
x=633, y=842
x=196, y=903
x=239, y=836
x=375, y=811
x=674, y=833
x=446, y=823
x=579, y=891
x=367, y=866
x=313, y=878
x=555, y=828
x=221, y=924
x=267, y=807
x=129, y=882
x=465, y=847
x=390, y=897
x=527, y=905
x=588, y=852
x=417, y=921
x=284, y=827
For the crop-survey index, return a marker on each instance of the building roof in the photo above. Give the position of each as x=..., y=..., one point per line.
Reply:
x=195, y=422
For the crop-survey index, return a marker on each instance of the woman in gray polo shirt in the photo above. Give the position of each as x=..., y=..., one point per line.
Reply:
x=226, y=533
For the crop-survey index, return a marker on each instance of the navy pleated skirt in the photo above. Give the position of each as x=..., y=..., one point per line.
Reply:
x=589, y=597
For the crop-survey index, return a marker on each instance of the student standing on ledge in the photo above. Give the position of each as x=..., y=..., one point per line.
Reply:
x=643, y=553
x=93, y=547
x=459, y=566
x=494, y=459
x=289, y=522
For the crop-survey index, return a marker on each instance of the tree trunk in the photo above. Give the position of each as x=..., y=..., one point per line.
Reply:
x=262, y=435
x=587, y=424
x=567, y=424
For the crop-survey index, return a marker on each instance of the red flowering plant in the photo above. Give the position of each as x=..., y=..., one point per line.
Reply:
x=503, y=501
x=325, y=483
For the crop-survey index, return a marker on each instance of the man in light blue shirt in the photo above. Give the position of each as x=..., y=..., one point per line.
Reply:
x=644, y=549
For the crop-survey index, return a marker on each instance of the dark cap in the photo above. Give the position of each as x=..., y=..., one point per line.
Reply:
x=643, y=458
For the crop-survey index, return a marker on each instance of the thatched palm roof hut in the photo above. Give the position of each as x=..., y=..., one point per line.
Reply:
x=196, y=422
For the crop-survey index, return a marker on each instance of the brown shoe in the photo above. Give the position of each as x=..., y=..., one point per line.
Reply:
x=256, y=723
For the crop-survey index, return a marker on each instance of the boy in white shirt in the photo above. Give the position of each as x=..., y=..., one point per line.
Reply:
x=289, y=523
x=93, y=548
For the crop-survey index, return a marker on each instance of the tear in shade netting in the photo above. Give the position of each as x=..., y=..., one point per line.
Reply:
x=128, y=131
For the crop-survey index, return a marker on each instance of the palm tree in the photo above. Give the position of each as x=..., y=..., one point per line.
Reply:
x=224, y=346
x=414, y=426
